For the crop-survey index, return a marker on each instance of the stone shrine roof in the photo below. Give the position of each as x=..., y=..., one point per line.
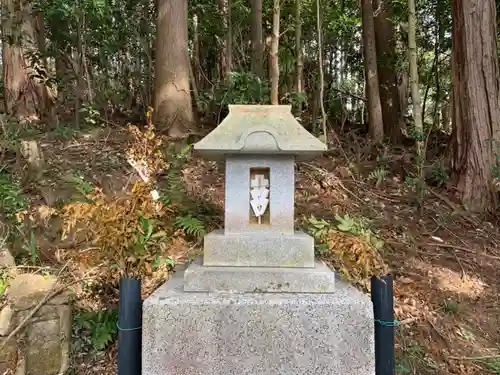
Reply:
x=262, y=130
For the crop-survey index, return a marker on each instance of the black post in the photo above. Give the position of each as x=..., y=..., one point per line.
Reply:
x=383, y=311
x=130, y=327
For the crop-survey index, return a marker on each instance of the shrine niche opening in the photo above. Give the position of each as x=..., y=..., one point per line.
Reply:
x=259, y=196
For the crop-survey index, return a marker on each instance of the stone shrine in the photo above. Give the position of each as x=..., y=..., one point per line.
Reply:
x=257, y=302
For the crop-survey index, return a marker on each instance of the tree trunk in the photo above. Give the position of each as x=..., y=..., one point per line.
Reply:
x=315, y=106
x=196, y=53
x=229, y=36
x=64, y=66
x=47, y=91
x=375, y=122
x=439, y=37
x=403, y=94
x=386, y=56
x=298, y=48
x=257, y=45
x=24, y=94
x=335, y=69
x=414, y=85
x=83, y=65
x=415, y=98
x=321, y=69
x=225, y=51
x=446, y=116
x=147, y=42
x=173, y=108
x=476, y=109
x=275, y=69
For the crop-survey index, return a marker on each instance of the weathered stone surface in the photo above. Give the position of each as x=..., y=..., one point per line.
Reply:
x=261, y=129
x=43, y=355
x=32, y=152
x=46, y=312
x=43, y=346
x=6, y=315
x=65, y=321
x=257, y=333
x=281, y=201
x=258, y=250
x=8, y=358
x=26, y=290
x=198, y=278
x=6, y=258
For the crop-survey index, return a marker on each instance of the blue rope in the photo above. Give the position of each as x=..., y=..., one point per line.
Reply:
x=395, y=323
x=127, y=329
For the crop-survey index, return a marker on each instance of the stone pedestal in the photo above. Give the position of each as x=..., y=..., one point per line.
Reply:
x=258, y=249
x=200, y=333
x=199, y=278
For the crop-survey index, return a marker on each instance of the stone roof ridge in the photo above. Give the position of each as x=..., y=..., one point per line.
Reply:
x=260, y=129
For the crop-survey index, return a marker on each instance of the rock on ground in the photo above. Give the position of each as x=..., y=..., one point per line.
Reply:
x=42, y=346
x=6, y=258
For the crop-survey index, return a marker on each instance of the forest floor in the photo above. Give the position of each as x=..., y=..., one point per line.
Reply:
x=446, y=263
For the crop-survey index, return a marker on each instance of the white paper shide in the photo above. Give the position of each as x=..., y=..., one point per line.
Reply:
x=259, y=193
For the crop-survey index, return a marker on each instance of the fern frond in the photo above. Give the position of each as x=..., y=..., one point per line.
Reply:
x=192, y=226
x=379, y=175
x=174, y=191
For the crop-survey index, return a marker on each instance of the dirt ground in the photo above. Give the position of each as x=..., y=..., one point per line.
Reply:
x=445, y=261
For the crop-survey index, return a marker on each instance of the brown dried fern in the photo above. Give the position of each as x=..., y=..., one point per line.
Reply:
x=116, y=228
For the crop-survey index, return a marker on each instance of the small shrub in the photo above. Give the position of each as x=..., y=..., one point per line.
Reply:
x=82, y=186
x=450, y=306
x=95, y=330
x=244, y=88
x=360, y=228
x=351, y=247
x=378, y=175
x=144, y=151
x=418, y=357
x=492, y=365
x=13, y=204
x=4, y=282
x=439, y=176
x=91, y=116
x=64, y=131
x=173, y=191
x=296, y=99
x=128, y=231
x=163, y=261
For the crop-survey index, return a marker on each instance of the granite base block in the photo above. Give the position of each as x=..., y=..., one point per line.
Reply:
x=190, y=333
x=258, y=249
x=200, y=278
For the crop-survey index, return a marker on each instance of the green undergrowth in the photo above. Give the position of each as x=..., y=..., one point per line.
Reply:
x=94, y=331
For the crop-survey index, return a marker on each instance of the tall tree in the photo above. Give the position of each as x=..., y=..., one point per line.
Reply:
x=415, y=94
x=25, y=95
x=229, y=35
x=375, y=120
x=197, y=76
x=386, y=64
x=476, y=108
x=257, y=42
x=321, y=72
x=298, y=48
x=275, y=69
x=226, y=50
x=173, y=107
